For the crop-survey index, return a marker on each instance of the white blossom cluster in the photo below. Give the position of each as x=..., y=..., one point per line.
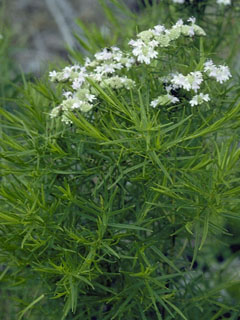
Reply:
x=191, y=82
x=103, y=70
x=220, y=73
x=145, y=47
x=224, y=2
x=110, y=68
x=164, y=100
x=199, y=99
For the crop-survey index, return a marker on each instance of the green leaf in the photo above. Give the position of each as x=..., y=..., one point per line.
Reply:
x=31, y=305
x=175, y=308
x=127, y=226
x=165, y=259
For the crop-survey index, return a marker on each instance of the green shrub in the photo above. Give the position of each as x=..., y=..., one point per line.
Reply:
x=114, y=196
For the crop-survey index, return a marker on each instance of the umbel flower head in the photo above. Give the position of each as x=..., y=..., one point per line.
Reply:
x=113, y=68
x=199, y=99
x=220, y=73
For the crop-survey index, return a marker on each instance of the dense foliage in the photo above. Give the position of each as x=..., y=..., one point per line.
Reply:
x=123, y=202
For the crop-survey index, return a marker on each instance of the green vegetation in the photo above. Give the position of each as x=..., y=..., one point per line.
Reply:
x=130, y=210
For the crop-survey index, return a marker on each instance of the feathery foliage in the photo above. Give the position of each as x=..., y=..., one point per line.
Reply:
x=120, y=215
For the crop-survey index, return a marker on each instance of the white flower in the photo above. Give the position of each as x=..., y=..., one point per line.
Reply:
x=96, y=76
x=195, y=79
x=117, y=54
x=178, y=1
x=164, y=39
x=55, y=112
x=105, y=54
x=67, y=94
x=104, y=69
x=77, y=68
x=127, y=83
x=128, y=62
x=108, y=68
x=66, y=73
x=146, y=35
x=174, y=33
x=188, y=30
x=90, y=97
x=208, y=65
x=87, y=62
x=53, y=75
x=172, y=98
x=192, y=20
x=179, y=23
x=115, y=50
x=112, y=53
x=166, y=79
x=147, y=55
x=191, y=32
x=65, y=118
x=223, y=74
x=158, y=29
x=153, y=43
x=199, y=99
x=77, y=83
x=164, y=100
x=225, y=2
x=144, y=52
x=191, y=81
x=220, y=73
x=144, y=47
x=85, y=107
x=181, y=81
x=117, y=82
x=136, y=43
x=154, y=103
x=76, y=105
x=194, y=101
x=169, y=88
x=198, y=30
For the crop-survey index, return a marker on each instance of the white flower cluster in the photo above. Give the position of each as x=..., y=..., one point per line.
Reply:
x=199, y=99
x=224, y=2
x=102, y=70
x=188, y=82
x=164, y=100
x=145, y=47
x=110, y=68
x=191, y=81
x=220, y=73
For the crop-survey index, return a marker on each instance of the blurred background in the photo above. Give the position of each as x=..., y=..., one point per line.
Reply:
x=44, y=28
